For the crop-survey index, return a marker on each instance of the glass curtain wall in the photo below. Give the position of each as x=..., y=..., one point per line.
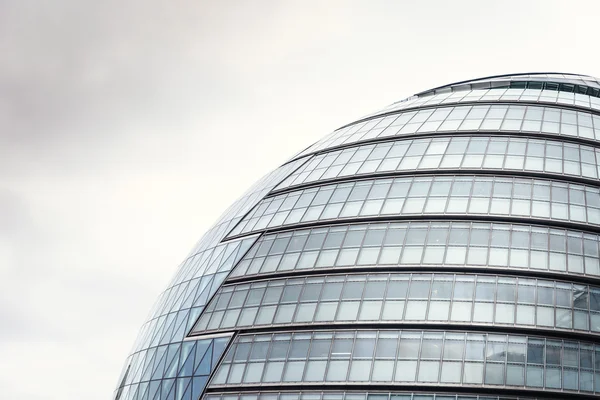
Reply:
x=445, y=247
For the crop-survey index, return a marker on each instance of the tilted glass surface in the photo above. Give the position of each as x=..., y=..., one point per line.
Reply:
x=437, y=244
x=173, y=315
x=428, y=195
x=405, y=297
x=335, y=395
x=177, y=308
x=237, y=210
x=514, y=119
x=452, y=153
x=408, y=356
x=178, y=370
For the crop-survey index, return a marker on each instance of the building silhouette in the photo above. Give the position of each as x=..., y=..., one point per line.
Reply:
x=445, y=247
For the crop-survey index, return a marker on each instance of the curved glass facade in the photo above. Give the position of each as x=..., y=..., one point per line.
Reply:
x=427, y=357
x=443, y=248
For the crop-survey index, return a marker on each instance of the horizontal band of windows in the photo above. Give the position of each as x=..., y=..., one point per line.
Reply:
x=595, y=111
x=438, y=245
x=432, y=326
x=475, y=196
x=587, y=88
x=370, y=394
x=417, y=357
x=476, y=154
x=389, y=298
x=549, y=333
x=422, y=268
x=512, y=117
x=551, y=77
x=520, y=95
x=439, y=172
x=558, y=77
x=551, y=224
x=464, y=392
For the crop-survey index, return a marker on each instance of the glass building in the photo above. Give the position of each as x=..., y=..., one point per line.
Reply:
x=445, y=247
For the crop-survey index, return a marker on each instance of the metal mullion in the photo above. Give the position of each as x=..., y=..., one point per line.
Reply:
x=297, y=302
x=329, y=355
x=362, y=296
x=362, y=243
x=485, y=349
x=264, y=371
x=463, y=359
x=259, y=305
x=505, y=374
x=377, y=333
x=241, y=307
x=367, y=198
x=287, y=355
x=368, y=155
x=233, y=347
x=249, y=362
x=471, y=190
x=419, y=357
x=384, y=294
x=278, y=299
x=385, y=157
x=424, y=153
x=342, y=246
x=407, y=197
x=446, y=247
x=427, y=197
x=428, y=301
x=466, y=153
x=449, y=196
x=387, y=229
x=483, y=120
x=337, y=311
x=384, y=299
x=308, y=359
x=355, y=333
x=487, y=148
x=347, y=229
x=453, y=284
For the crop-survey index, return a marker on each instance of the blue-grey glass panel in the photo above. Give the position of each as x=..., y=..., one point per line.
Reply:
x=196, y=280
x=175, y=371
x=410, y=357
x=408, y=196
x=511, y=119
x=447, y=153
x=404, y=297
x=406, y=244
x=178, y=307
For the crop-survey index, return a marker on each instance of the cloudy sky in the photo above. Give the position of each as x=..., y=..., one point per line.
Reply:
x=127, y=127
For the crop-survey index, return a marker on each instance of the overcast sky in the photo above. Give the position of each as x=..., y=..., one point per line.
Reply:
x=127, y=127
